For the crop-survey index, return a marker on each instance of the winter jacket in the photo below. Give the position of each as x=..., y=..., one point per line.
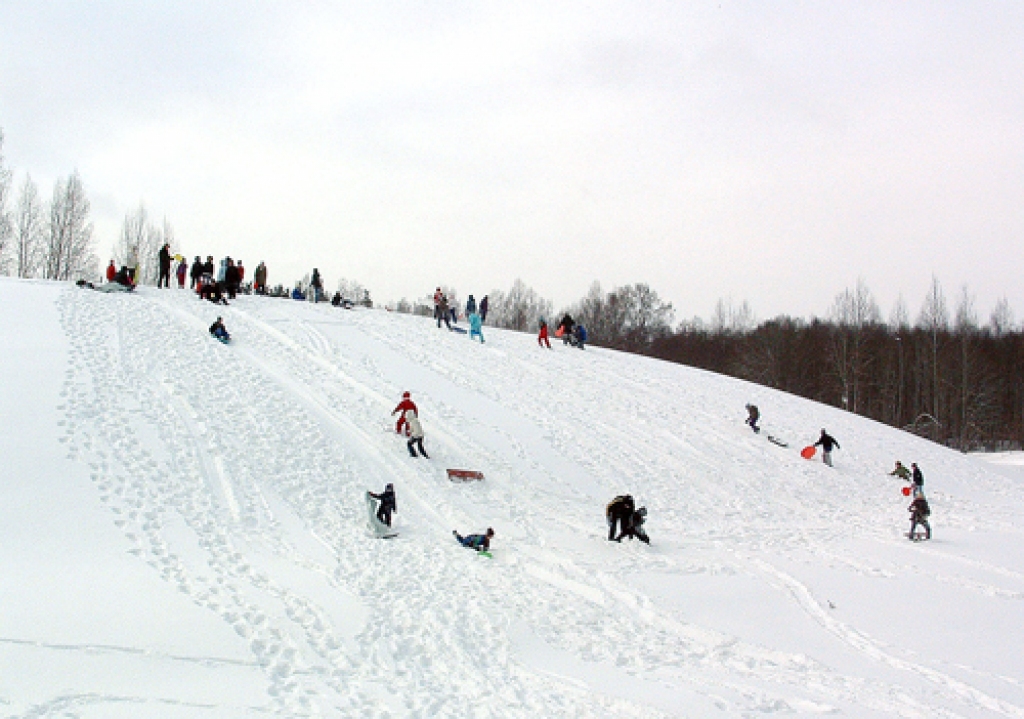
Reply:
x=919, y=509
x=470, y=306
x=387, y=499
x=405, y=405
x=900, y=472
x=111, y=272
x=483, y=308
x=621, y=507
x=918, y=477
x=827, y=442
x=165, y=259
x=475, y=323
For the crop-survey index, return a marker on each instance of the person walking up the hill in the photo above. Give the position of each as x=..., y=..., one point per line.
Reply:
x=827, y=442
x=387, y=504
x=919, y=513
x=165, y=267
x=400, y=410
x=415, y=434
x=542, y=337
x=479, y=542
x=619, y=510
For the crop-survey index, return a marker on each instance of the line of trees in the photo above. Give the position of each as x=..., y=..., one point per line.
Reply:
x=947, y=376
x=52, y=240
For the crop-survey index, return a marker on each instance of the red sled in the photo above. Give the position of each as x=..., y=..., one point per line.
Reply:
x=464, y=475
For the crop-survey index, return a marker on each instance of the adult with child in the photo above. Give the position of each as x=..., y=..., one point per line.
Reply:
x=403, y=406
x=919, y=513
x=415, y=434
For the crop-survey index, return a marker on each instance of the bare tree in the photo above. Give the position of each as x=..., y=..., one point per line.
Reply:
x=69, y=243
x=732, y=318
x=1001, y=322
x=140, y=242
x=28, y=231
x=853, y=312
x=519, y=309
x=934, y=321
x=6, y=224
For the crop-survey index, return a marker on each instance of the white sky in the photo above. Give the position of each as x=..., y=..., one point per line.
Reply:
x=773, y=152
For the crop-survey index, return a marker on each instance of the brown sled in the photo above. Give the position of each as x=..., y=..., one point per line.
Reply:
x=464, y=475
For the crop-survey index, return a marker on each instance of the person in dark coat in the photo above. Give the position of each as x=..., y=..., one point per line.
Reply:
x=317, y=284
x=634, y=527
x=232, y=279
x=443, y=314
x=483, y=308
x=387, y=504
x=195, y=272
x=165, y=267
x=565, y=328
x=919, y=513
x=917, y=475
x=124, y=277
x=619, y=510
x=470, y=306
x=753, y=414
x=479, y=542
x=827, y=442
x=218, y=330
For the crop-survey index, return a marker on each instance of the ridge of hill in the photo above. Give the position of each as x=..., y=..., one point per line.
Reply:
x=183, y=530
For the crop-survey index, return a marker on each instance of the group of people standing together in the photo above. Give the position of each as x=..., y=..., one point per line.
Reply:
x=445, y=312
x=572, y=333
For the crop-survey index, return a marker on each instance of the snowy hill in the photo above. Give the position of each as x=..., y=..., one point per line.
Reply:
x=183, y=530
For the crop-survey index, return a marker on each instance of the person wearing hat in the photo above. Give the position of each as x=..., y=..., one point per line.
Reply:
x=827, y=442
x=387, y=504
x=479, y=542
x=405, y=404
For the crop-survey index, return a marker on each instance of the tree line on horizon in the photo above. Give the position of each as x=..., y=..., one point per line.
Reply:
x=947, y=376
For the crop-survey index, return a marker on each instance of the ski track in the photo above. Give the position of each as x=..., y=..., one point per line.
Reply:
x=212, y=513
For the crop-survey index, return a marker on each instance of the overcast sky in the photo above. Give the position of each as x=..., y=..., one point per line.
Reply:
x=773, y=152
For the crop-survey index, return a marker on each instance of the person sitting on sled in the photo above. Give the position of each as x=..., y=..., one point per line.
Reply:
x=919, y=513
x=634, y=526
x=218, y=330
x=479, y=542
x=404, y=405
x=387, y=504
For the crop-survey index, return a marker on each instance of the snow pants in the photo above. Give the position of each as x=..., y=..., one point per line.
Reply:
x=165, y=278
x=384, y=513
x=477, y=333
x=416, y=442
x=914, y=521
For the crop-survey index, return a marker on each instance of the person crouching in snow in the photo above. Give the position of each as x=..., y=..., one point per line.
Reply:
x=919, y=513
x=218, y=330
x=618, y=510
x=476, y=327
x=634, y=526
x=900, y=472
x=415, y=434
x=479, y=542
x=405, y=404
x=387, y=504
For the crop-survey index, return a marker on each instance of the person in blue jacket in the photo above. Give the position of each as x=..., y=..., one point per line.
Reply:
x=479, y=542
x=579, y=335
x=476, y=327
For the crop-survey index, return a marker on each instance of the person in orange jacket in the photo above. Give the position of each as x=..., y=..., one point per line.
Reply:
x=405, y=404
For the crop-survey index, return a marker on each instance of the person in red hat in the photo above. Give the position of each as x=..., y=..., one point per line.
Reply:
x=405, y=404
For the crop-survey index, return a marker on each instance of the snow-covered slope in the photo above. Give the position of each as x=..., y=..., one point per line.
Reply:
x=183, y=530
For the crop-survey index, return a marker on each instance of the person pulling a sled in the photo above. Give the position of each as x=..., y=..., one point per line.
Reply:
x=827, y=442
x=479, y=542
x=415, y=434
x=218, y=330
x=634, y=526
x=753, y=415
x=619, y=510
x=919, y=513
x=387, y=504
x=405, y=404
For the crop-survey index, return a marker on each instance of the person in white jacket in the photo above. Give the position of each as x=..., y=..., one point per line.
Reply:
x=415, y=434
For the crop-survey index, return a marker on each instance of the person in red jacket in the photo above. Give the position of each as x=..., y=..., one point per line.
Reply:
x=405, y=404
x=111, y=271
x=542, y=338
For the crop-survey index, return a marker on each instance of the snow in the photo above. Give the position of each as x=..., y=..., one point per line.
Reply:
x=183, y=530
